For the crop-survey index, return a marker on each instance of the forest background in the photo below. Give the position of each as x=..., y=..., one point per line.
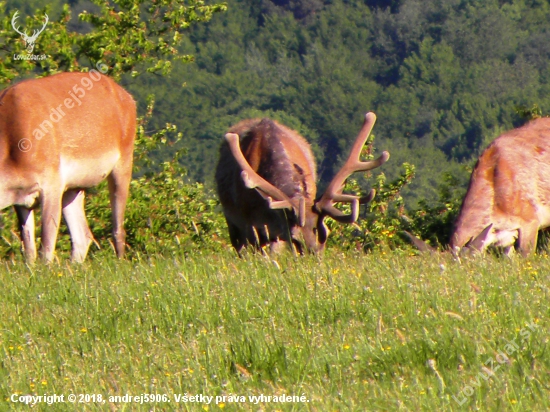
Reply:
x=445, y=77
x=384, y=330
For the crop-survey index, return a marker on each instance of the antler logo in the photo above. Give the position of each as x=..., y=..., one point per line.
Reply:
x=29, y=40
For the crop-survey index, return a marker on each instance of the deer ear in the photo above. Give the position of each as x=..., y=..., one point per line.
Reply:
x=479, y=242
x=419, y=243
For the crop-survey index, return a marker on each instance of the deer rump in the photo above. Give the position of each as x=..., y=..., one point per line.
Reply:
x=508, y=199
x=264, y=155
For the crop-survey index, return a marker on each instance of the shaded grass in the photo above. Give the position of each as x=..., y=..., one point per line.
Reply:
x=384, y=331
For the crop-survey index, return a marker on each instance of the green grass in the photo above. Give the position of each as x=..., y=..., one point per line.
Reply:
x=352, y=332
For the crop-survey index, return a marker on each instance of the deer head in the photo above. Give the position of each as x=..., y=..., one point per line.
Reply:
x=29, y=40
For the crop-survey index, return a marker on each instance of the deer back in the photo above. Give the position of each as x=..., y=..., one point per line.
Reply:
x=63, y=118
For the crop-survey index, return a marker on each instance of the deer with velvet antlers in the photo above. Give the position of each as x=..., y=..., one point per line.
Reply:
x=266, y=181
x=58, y=136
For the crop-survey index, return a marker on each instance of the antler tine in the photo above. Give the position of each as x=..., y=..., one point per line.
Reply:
x=354, y=201
x=13, y=20
x=36, y=32
x=333, y=193
x=368, y=198
x=252, y=180
x=45, y=23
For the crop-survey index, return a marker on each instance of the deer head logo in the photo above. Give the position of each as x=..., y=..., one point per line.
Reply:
x=29, y=40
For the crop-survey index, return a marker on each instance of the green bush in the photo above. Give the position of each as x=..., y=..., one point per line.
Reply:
x=164, y=214
x=434, y=222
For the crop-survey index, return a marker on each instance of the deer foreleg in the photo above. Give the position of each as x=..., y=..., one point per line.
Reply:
x=25, y=216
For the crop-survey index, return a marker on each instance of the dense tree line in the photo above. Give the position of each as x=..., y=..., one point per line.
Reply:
x=444, y=76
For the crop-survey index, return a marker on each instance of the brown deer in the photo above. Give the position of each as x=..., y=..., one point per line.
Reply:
x=508, y=199
x=60, y=135
x=277, y=162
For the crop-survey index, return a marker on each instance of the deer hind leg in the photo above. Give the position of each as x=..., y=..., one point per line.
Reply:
x=51, y=217
x=119, y=185
x=25, y=216
x=527, y=239
x=75, y=217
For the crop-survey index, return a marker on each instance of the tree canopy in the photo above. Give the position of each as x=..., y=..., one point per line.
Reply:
x=444, y=77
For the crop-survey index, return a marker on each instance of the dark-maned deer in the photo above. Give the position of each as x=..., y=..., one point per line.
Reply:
x=277, y=162
x=60, y=135
x=508, y=199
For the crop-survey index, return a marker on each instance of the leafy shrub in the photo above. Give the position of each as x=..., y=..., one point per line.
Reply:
x=380, y=221
x=528, y=113
x=434, y=222
x=164, y=214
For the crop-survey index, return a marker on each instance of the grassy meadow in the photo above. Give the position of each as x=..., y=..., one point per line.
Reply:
x=350, y=332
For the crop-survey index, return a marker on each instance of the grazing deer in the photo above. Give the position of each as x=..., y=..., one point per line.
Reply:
x=508, y=199
x=277, y=162
x=60, y=135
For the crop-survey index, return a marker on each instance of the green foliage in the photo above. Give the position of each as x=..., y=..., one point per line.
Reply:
x=128, y=36
x=177, y=215
x=385, y=215
x=162, y=206
x=434, y=222
x=382, y=223
x=442, y=77
x=381, y=219
x=529, y=113
x=141, y=33
x=164, y=215
x=10, y=243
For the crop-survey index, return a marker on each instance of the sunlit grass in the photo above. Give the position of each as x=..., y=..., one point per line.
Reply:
x=383, y=331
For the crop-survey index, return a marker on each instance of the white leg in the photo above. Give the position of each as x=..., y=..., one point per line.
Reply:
x=25, y=217
x=50, y=203
x=75, y=217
